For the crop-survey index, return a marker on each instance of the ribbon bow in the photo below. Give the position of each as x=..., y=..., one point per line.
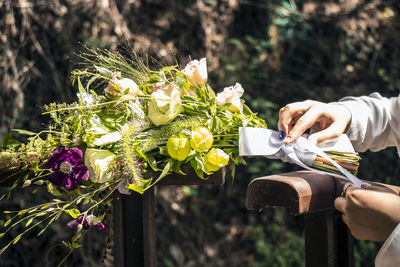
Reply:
x=265, y=142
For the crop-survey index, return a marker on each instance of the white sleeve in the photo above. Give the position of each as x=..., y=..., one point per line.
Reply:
x=375, y=122
x=389, y=255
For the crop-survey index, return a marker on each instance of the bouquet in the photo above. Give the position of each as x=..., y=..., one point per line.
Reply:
x=129, y=128
x=347, y=160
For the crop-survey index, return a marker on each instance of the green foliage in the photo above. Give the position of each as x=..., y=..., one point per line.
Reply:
x=274, y=245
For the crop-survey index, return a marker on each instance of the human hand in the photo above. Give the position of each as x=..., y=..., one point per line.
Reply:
x=328, y=121
x=371, y=213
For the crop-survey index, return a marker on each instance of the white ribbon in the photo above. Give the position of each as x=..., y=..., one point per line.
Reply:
x=265, y=142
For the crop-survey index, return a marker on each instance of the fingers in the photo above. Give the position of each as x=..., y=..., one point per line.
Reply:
x=290, y=113
x=303, y=123
x=332, y=119
x=380, y=188
x=333, y=131
x=340, y=204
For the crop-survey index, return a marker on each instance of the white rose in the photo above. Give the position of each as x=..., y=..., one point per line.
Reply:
x=231, y=95
x=123, y=85
x=98, y=162
x=196, y=72
x=165, y=104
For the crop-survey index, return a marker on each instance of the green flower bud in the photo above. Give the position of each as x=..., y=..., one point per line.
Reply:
x=178, y=146
x=215, y=159
x=201, y=139
x=27, y=183
x=39, y=182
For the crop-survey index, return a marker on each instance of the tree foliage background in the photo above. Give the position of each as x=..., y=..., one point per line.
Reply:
x=281, y=51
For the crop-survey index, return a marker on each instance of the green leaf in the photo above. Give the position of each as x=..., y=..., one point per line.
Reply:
x=99, y=219
x=197, y=167
x=67, y=244
x=2, y=234
x=76, y=245
x=41, y=232
x=176, y=167
x=80, y=87
x=22, y=212
x=17, y=239
x=53, y=190
x=152, y=162
x=163, y=151
x=74, y=213
x=179, y=80
x=166, y=170
x=90, y=82
x=7, y=222
x=137, y=188
x=4, y=248
x=116, y=88
x=24, y=132
x=29, y=222
x=104, y=71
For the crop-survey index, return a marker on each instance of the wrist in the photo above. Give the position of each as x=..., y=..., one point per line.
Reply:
x=345, y=114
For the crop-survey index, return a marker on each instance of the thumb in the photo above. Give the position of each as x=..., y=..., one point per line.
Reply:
x=329, y=133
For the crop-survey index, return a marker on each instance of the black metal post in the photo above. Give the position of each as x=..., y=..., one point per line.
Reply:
x=134, y=229
x=327, y=240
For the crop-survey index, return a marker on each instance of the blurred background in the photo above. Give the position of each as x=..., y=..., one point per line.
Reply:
x=280, y=51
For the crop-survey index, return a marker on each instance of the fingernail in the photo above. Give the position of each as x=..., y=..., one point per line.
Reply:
x=365, y=185
x=281, y=135
x=287, y=139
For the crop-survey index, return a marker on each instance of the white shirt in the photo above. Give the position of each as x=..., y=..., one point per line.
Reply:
x=375, y=125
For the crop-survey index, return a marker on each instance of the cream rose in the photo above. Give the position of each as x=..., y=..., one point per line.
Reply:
x=165, y=104
x=231, y=95
x=196, y=72
x=98, y=162
x=122, y=85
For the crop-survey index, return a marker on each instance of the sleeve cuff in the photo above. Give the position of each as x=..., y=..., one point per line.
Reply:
x=359, y=121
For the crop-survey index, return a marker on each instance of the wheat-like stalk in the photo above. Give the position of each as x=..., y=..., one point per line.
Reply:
x=127, y=152
x=158, y=136
x=348, y=160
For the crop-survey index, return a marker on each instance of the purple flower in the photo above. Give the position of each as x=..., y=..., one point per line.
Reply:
x=88, y=221
x=68, y=172
x=122, y=187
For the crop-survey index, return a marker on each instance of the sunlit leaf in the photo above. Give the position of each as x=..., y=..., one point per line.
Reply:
x=74, y=213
